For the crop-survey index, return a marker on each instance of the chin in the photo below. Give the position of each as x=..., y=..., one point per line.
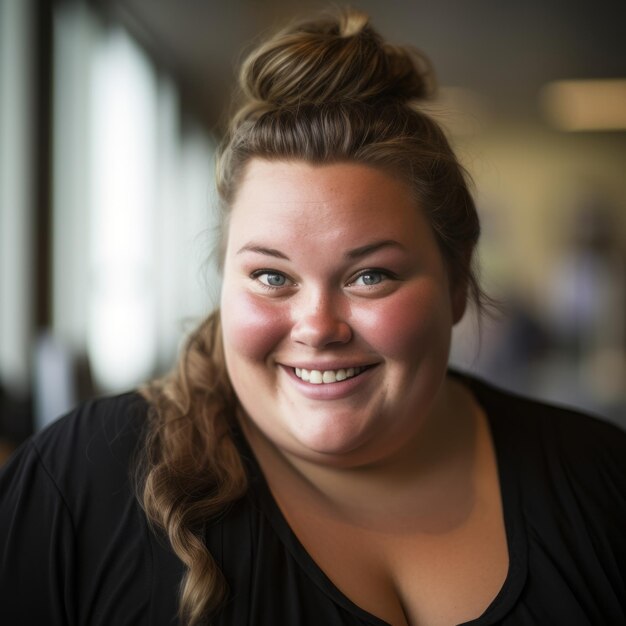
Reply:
x=341, y=443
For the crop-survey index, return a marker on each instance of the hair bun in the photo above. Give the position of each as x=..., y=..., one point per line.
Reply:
x=333, y=60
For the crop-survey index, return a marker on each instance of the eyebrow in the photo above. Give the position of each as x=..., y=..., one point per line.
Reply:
x=356, y=253
x=252, y=247
x=362, y=251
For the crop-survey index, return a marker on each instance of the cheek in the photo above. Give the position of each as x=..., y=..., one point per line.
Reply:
x=251, y=326
x=409, y=324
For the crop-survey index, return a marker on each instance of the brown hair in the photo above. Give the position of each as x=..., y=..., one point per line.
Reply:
x=324, y=91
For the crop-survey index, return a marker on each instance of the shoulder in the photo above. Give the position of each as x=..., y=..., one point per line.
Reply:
x=556, y=445
x=83, y=463
x=79, y=470
x=543, y=421
x=102, y=432
x=77, y=534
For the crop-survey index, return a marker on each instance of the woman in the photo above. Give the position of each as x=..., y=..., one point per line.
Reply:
x=311, y=460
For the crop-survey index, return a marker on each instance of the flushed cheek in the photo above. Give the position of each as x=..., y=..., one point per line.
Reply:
x=252, y=326
x=407, y=325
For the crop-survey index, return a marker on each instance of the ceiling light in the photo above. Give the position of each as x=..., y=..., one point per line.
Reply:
x=579, y=105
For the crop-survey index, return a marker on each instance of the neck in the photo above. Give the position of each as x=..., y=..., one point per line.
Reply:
x=428, y=481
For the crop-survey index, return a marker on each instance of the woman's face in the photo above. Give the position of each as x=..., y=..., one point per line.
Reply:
x=336, y=310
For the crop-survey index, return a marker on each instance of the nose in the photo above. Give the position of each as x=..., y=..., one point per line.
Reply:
x=320, y=321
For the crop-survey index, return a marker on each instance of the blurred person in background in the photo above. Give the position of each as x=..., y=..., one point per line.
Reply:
x=586, y=310
x=312, y=459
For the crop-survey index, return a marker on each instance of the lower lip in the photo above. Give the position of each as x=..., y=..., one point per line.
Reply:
x=330, y=391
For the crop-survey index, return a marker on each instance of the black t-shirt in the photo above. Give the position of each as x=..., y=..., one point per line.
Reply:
x=75, y=547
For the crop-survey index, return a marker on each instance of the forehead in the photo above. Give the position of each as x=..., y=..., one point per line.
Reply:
x=301, y=180
x=277, y=197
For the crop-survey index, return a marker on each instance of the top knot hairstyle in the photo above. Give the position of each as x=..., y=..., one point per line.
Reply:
x=333, y=61
x=324, y=91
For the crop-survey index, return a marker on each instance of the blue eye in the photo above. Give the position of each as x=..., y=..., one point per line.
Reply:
x=370, y=278
x=271, y=279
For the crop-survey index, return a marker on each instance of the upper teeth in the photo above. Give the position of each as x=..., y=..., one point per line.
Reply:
x=317, y=377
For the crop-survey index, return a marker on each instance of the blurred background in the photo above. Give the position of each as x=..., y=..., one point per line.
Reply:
x=110, y=112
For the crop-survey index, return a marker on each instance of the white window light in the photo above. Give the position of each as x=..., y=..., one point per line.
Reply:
x=121, y=329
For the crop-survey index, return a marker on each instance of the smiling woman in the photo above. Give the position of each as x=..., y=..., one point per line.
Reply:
x=312, y=460
x=282, y=313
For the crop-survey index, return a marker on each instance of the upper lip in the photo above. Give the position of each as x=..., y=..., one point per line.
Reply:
x=332, y=365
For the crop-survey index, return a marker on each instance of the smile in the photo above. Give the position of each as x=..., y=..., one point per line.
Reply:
x=319, y=377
